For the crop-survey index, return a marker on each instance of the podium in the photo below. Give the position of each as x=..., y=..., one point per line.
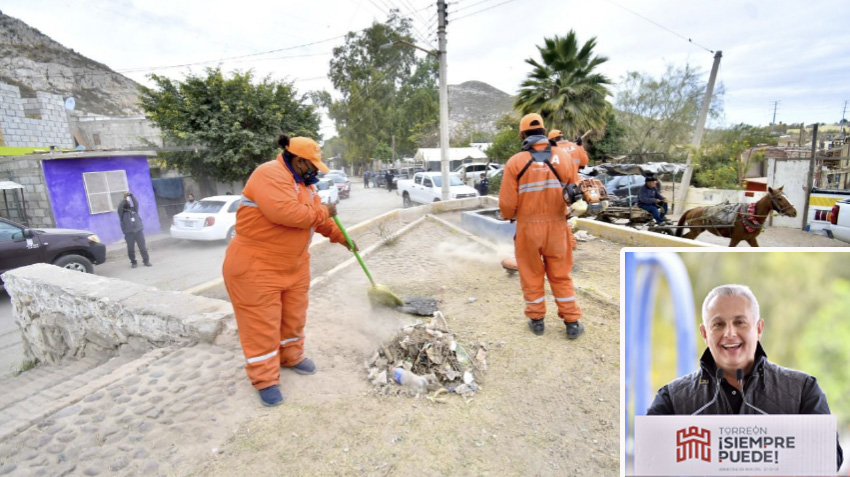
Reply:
x=737, y=444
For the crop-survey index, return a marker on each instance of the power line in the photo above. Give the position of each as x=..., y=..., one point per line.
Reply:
x=469, y=6
x=483, y=10
x=660, y=25
x=140, y=69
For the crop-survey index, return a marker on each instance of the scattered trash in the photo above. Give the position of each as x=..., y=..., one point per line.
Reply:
x=416, y=383
x=583, y=236
x=427, y=358
x=472, y=299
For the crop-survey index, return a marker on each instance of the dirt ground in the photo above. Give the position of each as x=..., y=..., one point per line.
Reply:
x=548, y=406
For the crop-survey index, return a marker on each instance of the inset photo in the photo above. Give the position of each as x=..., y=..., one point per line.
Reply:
x=735, y=363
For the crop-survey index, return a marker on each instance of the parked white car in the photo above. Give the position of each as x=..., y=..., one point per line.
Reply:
x=474, y=169
x=427, y=187
x=839, y=221
x=328, y=191
x=212, y=218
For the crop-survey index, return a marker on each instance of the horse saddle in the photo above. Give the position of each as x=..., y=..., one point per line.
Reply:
x=721, y=214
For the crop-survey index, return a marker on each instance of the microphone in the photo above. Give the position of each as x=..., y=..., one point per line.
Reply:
x=718, y=375
x=739, y=376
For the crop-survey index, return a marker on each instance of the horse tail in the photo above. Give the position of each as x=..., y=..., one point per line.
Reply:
x=682, y=220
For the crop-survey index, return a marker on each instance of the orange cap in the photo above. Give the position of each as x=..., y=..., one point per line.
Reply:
x=531, y=121
x=309, y=149
x=555, y=133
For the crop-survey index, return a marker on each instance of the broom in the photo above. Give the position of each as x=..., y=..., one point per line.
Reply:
x=379, y=295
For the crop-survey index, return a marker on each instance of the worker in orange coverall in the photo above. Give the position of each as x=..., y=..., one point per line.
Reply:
x=267, y=266
x=575, y=149
x=579, y=159
x=532, y=192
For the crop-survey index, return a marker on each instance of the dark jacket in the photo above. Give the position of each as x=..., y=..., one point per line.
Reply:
x=647, y=196
x=129, y=216
x=769, y=387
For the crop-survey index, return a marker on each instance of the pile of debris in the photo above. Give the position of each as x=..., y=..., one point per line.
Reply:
x=432, y=352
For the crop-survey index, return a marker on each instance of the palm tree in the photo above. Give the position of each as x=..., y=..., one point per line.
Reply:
x=564, y=89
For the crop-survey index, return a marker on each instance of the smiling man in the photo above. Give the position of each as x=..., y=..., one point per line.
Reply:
x=731, y=328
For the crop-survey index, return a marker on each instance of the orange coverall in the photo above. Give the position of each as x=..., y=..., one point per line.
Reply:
x=541, y=243
x=580, y=158
x=267, y=268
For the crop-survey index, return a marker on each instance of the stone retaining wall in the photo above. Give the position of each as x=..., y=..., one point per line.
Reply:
x=70, y=314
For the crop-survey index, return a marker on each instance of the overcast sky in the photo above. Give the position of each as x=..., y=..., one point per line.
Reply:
x=797, y=53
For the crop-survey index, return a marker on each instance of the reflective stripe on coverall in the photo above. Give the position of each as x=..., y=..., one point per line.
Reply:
x=267, y=268
x=538, y=205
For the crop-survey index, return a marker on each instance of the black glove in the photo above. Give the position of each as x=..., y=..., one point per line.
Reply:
x=571, y=193
x=578, y=141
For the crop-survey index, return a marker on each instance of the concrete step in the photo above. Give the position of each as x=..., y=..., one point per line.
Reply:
x=154, y=414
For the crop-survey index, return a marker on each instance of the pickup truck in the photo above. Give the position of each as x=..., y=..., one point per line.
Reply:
x=839, y=221
x=427, y=187
x=77, y=250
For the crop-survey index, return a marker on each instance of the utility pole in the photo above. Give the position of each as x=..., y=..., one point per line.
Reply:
x=442, y=21
x=773, y=123
x=394, y=164
x=679, y=206
x=843, y=121
x=810, y=179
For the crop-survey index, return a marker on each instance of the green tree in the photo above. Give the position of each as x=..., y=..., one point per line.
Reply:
x=728, y=153
x=334, y=147
x=385, y=92
x=564, y=88
x=230, y=123
x=659, y=115
x=507, y=141
x=610, y=144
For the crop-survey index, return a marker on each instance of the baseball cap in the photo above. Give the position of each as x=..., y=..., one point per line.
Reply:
x=531, y=121
x=308, y=149
x=555, y=133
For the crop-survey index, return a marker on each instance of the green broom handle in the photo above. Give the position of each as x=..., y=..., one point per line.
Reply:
x=351, y=246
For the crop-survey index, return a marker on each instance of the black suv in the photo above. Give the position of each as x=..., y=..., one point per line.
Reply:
x=68, y=248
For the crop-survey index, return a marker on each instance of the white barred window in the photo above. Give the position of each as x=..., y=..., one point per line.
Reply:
x=105, y=190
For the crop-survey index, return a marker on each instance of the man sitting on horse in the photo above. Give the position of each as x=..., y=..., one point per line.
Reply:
x=651, y=200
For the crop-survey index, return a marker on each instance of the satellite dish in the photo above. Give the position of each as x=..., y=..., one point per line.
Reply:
x=70, y=103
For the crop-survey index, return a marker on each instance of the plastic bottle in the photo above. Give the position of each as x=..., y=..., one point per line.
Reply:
x=414, y=382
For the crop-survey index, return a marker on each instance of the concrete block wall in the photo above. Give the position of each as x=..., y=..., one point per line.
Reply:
x=19, y=130
x=117, y=133
x=27, y=172
x=64, y=314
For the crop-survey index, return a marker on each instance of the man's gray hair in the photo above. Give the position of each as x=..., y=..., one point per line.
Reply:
x=731, y=290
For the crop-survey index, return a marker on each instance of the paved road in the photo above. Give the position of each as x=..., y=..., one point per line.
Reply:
x=182, y=264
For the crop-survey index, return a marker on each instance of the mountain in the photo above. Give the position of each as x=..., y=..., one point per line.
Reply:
x=477, y=104
x=32, y=61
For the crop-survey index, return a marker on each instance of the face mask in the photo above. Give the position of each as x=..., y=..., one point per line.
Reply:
x=311, y=176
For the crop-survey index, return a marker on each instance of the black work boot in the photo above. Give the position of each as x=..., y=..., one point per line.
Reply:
x=536, y=326
x=574, y=330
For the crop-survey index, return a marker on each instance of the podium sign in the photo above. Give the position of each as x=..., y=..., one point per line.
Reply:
x=735, y=445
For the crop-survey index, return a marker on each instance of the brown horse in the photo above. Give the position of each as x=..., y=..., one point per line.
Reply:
x=746, y=226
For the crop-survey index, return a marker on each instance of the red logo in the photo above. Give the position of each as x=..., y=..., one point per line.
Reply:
x=693, y=443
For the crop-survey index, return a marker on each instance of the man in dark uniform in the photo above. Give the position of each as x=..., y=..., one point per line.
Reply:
x=131, y=225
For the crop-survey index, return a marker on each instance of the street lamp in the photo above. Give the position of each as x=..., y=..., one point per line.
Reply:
x=444, y=106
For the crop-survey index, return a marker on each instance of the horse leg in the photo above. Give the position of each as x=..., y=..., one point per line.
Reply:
x=753, y=242
x=692, y=233
x=734, y=242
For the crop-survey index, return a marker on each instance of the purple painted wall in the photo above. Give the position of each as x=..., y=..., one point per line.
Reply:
x=64, y=181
